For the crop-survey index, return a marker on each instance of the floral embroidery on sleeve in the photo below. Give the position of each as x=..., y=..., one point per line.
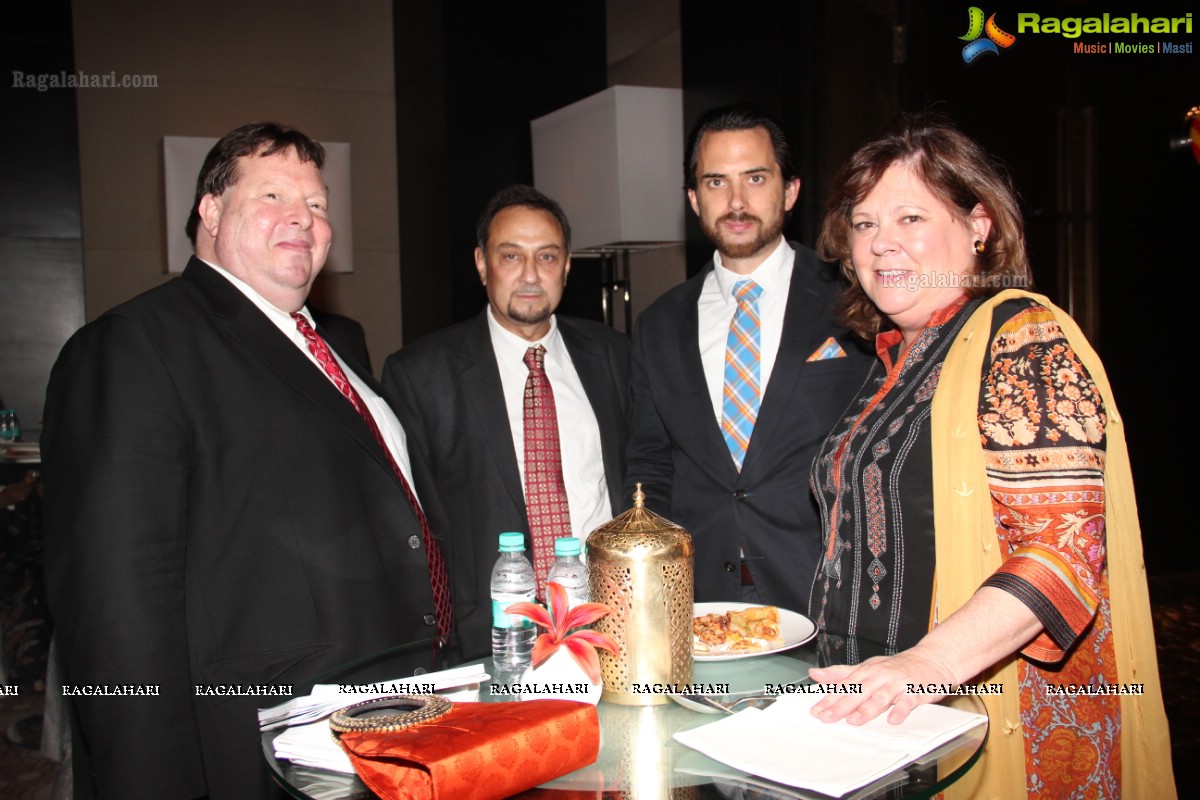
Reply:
x=1042, y=421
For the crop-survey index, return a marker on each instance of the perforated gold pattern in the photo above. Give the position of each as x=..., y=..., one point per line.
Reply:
x=640, y=566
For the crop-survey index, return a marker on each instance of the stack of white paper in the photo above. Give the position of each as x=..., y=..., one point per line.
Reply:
x=786, y=744
x=313, y=745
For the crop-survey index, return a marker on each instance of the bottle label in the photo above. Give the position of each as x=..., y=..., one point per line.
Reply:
x=503, y=620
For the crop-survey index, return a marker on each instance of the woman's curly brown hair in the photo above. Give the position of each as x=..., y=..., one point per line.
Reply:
x=956, y=170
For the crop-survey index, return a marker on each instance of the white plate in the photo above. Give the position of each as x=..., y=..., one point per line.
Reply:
x=795, y=629
x=21, y=452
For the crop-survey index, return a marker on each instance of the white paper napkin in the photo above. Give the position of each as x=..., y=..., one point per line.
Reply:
x=313, y=746
x=786, y=744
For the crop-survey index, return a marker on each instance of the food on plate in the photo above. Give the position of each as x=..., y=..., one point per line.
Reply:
x=748, y=630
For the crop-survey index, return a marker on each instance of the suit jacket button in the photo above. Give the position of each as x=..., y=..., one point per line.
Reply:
x=420, y=671
x=730, y=566
x=414, y=541
x=430, y=620
x=739, y=495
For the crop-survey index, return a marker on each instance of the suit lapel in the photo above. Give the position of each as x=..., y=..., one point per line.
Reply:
x=796, y=344
x=256, y=334
x=485, y=393
x=695, y=385
x=591, y=366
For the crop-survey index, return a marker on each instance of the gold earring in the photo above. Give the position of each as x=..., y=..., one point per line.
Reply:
x=980, y=247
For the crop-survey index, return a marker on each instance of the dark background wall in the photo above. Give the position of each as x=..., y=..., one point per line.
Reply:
x=771, y=60
x=41, y=256
x=467, y=100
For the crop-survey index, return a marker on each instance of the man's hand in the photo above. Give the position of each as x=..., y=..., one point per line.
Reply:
x=18, y=492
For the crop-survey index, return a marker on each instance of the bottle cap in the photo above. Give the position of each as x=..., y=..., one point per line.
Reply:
x=567, y=546
x=512, y=542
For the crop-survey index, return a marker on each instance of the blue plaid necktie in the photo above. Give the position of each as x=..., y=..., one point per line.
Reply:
x=743, y=392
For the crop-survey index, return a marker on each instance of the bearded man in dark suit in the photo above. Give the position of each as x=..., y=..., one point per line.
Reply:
x=227, y=498
x=739, y=373
x=460, y=393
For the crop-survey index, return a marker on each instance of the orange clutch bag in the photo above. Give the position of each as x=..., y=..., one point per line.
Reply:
x=467, y=750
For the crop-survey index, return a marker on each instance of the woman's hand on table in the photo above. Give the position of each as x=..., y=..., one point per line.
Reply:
x=991, y=626
x=885, y=681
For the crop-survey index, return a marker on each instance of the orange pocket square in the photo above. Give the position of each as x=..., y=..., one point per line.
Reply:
x=828, y=349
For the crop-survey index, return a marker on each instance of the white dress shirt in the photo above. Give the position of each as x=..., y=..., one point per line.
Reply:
x=389, y=427
x=717, y=305
x=578, y=431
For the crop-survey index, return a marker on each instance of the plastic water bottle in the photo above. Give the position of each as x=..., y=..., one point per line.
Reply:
x=10, y=428
x=568, y=571
x=512, y=582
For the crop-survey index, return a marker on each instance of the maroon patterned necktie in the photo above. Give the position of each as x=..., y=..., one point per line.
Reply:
x=545, y=492
x=437, y=567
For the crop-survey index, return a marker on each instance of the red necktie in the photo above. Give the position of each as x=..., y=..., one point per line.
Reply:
x=545, y=492
x=437, y=567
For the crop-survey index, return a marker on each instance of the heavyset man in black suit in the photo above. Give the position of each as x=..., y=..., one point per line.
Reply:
x=217, y=511
x=461, y=406
x=756, y=528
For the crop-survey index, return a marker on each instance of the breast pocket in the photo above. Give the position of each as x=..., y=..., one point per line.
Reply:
x=844, y=365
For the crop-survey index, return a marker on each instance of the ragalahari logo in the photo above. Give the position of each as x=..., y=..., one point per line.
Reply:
x=996, y=38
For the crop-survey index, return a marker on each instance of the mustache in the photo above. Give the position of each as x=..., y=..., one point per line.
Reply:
x=738, y=216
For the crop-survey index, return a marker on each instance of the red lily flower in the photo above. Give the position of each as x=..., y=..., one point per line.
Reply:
x=581, y=644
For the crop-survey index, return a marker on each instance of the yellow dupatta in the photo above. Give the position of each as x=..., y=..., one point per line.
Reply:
x=968, y=552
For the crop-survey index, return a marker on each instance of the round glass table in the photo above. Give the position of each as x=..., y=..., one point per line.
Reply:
x=639, y=760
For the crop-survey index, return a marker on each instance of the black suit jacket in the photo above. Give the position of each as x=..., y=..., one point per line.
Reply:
x=446, y=389
x=216, y=513
x=676, y=449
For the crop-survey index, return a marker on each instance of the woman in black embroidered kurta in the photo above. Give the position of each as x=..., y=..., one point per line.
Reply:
x=873, y=482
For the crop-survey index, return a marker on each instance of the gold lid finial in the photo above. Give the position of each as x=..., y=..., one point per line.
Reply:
x=639, y=497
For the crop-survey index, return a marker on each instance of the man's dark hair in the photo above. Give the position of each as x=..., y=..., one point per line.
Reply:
x=738, y=117
x=256, y=139
x=520, y=196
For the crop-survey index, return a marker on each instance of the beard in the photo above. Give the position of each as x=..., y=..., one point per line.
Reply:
x=528, y=314
x=768, y=235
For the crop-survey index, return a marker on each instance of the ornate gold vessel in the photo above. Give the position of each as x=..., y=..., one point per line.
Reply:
x=640, y=566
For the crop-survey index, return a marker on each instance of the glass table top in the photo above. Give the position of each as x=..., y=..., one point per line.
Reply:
x=639, y=760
